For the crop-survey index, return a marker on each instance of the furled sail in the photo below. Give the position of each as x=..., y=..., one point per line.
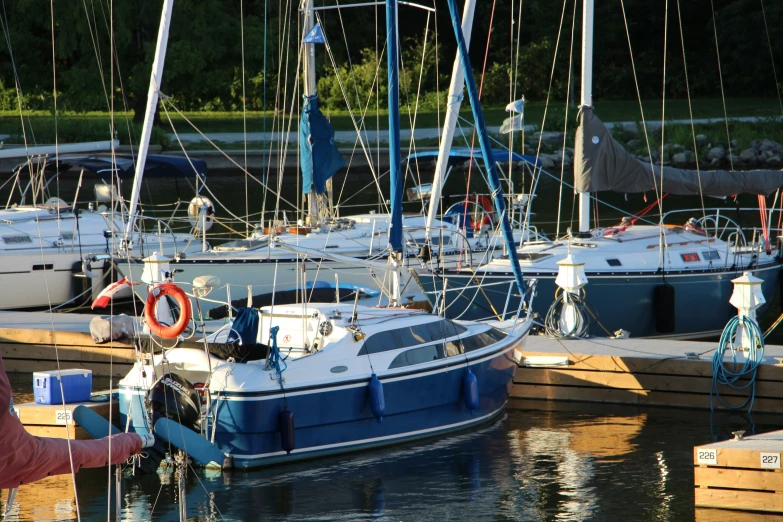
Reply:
x=319, y=155
x=601, y=163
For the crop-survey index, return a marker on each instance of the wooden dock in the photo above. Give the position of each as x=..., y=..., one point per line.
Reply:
x=33, y=341
x=647, y=372
x=56, y=420
x=740, y=474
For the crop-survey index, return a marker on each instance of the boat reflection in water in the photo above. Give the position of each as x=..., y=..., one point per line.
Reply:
x=529, y=465
x=532, y=464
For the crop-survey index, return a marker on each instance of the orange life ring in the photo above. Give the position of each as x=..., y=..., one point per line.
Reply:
x=485, y=204
x=179, y=295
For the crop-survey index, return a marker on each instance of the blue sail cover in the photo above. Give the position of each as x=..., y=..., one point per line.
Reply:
x=318, y=153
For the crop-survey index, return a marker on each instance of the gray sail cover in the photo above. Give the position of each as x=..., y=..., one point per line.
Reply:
x=601, y=163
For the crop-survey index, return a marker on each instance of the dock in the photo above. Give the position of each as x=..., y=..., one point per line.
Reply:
x=740, y=474
x=56, y=420
x=642, y=372
x=33, y=341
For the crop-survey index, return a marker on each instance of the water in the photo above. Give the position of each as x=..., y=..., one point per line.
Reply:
x=541, y=461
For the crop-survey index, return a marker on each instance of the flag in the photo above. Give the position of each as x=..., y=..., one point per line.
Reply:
x=315, y=36
x=512, y=124
x=106, y=295
x=517, y=106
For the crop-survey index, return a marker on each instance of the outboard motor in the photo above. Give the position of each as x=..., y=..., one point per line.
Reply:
x=175, y=398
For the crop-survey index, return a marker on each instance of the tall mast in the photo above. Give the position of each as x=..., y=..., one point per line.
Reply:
x=395, y=171
x=587, y=96
x=486, y=146
x=149, y=115
x=452, y=115
x=308, y=69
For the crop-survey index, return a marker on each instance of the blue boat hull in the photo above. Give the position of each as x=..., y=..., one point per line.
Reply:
x=337, y=418
x=624, y=301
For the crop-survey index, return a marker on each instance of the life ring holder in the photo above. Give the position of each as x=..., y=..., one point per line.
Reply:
x=179, y=295
x=483, y=208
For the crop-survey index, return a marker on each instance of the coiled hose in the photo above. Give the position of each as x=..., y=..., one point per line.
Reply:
x=582, y=314
x=723, y=376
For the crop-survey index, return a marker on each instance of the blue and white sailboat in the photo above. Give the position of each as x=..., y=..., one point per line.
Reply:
x=306, y=380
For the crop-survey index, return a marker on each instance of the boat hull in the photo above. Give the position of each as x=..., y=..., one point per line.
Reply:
x=337, y=418
x=624, y=301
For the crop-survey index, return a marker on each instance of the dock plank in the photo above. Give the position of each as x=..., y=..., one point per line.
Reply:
x=739, y=499
x=762, y=480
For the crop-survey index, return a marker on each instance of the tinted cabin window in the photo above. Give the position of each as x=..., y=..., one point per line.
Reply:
x=443, y=329
x=380, y=342
x=413, y=335
x=478, y=341
x=418, y=356
x=614, y=262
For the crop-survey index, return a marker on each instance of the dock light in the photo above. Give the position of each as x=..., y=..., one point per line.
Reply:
x=746, y=298
x=571, y=278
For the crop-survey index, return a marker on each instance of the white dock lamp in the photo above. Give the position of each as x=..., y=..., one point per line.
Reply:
x=570, y=278
x=746, y=298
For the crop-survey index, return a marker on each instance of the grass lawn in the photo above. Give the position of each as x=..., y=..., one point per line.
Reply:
x=95, y=126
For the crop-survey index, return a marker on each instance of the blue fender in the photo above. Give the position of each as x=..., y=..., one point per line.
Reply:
x=470, y=390
x=377, y=401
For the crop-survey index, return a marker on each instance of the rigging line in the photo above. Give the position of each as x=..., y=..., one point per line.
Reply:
x=96, y=48
x=412, y=120
x=264, y=109
x=362, y=123
x=353, y=119
x=720, y=78
x=639, y=98
x=358, y=139
x=473, y=137
x=690, y=109
x=244, y=107
x=771, y=55
x=168, y=101
x=285, y=50
x=17, y=85
x=534, y=178
x=46, y=277
x=565, y=123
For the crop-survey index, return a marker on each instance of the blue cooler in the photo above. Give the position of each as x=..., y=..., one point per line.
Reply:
x=77, y=386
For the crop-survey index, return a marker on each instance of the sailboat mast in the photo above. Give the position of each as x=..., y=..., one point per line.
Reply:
x=308, y=70
x=149, y=115
x=486, y=146
x=395, y=169
x=452, y=115
x=587, y=96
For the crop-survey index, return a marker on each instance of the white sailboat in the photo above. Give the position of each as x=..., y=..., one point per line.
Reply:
x=670, y=279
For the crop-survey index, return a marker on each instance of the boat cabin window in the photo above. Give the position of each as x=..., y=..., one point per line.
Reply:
x=614, y=262
x=689, y=258
x=710, y=255
x=16, y=240
x=410, y=336
x=421, y=355
x=532, y=257
x=482, y=340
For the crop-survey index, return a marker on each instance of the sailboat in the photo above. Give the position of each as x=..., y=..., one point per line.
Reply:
x=671, y=279
x=54, y=252
x=276, y=251
x=323, y=379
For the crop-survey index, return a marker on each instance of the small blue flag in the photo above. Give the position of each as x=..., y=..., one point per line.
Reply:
x=315, y=36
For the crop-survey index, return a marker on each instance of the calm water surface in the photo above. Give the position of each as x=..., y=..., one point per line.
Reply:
x=538, y=462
